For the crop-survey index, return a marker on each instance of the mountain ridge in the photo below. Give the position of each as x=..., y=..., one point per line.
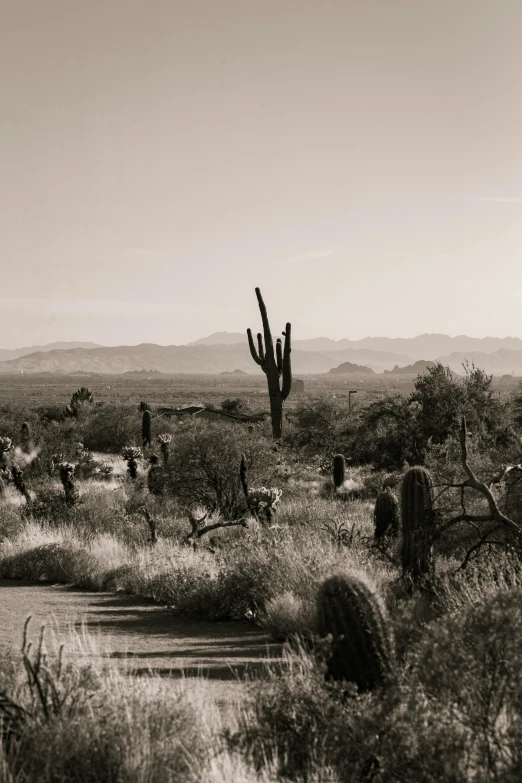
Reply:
x=424, y=346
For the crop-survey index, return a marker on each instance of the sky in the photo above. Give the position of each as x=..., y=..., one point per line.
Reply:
x=358, y=160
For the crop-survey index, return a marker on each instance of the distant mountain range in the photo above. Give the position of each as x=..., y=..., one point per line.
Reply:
x=309, y=357
x=426, y=346
x=15, y=353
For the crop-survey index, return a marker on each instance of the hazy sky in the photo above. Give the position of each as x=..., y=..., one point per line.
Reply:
x=360, y=161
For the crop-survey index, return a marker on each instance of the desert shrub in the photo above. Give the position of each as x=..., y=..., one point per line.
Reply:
x=78, y=725
x=204, y=466
x=110, y=427
x=296, y=721
x=471, y=662
x=53, y=562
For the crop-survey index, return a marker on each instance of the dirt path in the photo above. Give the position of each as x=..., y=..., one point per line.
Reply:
x=136, y=634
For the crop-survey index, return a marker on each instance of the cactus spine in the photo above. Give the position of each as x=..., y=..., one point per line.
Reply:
x=17, y=476
x=155, y=478
x=69, y=487
x=165, y=440
x=386, y=514
x=338, y=471
x=274, y=365
x=362, y=649
x=131, y=455
x=146, y=428
x=417, y=523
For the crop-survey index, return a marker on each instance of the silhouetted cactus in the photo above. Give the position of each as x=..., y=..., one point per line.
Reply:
x=78, y=399
x=6, y=449
x=155, y=478
x=274, y=365
x=146, y=428
x=17, y=476
x=386, y=514
x=67, y=478
x=362, y=647
x=131, y=454
x=338, y=471
x=165, y=439
x=417, y=523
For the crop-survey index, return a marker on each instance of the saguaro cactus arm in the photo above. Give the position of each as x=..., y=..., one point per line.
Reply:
x=252, y=347
x=269, y=345
x=287, y=365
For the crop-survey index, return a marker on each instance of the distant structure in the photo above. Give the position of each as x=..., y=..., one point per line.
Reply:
x=207, y=414
x=298, y=386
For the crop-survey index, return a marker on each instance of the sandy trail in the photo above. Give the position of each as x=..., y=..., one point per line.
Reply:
x=137, y=634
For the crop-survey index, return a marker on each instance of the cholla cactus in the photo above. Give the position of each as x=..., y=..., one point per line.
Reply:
x=263, y=500
x=6, y=448
x=165, y=439
x=131, y=454
x=17, y=477
x=67, y=478
x=105, y=470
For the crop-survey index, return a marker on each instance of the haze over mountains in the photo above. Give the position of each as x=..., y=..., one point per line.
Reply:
x=14, y=353
x=225, y=352
x=425, y=346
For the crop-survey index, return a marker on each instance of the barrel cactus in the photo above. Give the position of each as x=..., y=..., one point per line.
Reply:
x=351, y=615
x=386, y=515
x=338, y=471
x=146, y=428
x=417, y=523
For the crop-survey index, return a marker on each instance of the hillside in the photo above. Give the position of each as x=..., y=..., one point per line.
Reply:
x=186, y=359
x=411, y=369
x=7, y=354
x=424, y=346
x=347, y=368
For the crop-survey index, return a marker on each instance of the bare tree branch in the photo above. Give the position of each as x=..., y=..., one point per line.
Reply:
x=199, y=529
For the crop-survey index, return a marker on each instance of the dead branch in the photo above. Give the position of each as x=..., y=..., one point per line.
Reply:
x=199, y=529
x=495, y=514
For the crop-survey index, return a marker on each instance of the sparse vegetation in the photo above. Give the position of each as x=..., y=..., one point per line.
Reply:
x=402, y=624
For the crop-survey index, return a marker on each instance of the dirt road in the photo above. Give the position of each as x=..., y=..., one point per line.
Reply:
x=134, y=633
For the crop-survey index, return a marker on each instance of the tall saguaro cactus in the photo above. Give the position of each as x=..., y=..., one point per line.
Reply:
x=275, y=364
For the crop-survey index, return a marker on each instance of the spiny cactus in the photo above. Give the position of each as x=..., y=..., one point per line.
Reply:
x=362, y=647
x=131, y=454
x=263, y=501
x=67, y=478
x=6, y=449
x=386, y=514
x=338, y=471
x=155, y=478
x=105, y=470
x=274, y=365
x=146, y=428
x=165, y=439
x=243, y=476
x=417, y=523
x=17, y=476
